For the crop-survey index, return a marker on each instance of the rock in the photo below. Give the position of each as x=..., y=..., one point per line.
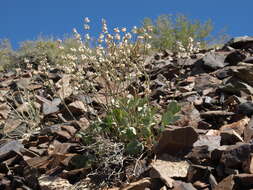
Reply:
x=217, y=153
x=244, y=72
x=64, y=87
x=234, y=155
x=248, y=165
x=11, y=125
x=234, y=86
x=179, y=185
x=245, y=108
x=235, y=57
x=139, y=185
x=211, y=141
x=242, y=42
x=4, y=111
x=237, y=126
x=248, y=60
x=54, y=183
x=213, y=61
x=248, y=131
x=189, y=116
x=63, y=131
x=212, y=181
x=243, y=181
x=199, y=155
x=77, y=107
x=176, y=139
x=226, y=184
x=200, y=185
x=198, y=173
x=22, y=83
x=13, y=145
x=170, y=168
x=50, y=107
x=206, y=81
x=230, y=137
x=26, y=107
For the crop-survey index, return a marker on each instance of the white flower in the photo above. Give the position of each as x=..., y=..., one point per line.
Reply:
x=87, y=36
x=86, y=20
x=117, y=36
x=101, y=36
x=100, y=40
x=74, y=30
x=73, y=49
x=83, y=57
x=103, y=21
x=86, y=27
x=128, y=36
x=134, y=30
x=104, y=28
x=109, y=36
x=124, y=29
x=26, y=60
x=140, y=37
x=148, y=46
x=116, y=30
x=149, y=28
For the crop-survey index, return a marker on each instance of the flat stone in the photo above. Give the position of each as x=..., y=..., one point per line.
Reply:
x=175, y=140
x=180, y=185
x=211, y=141
x=226, y=184
x=214, y=61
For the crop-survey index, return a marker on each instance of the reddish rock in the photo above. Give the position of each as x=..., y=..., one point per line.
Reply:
x=248, y=165
x=226, y=184
x=176, y=139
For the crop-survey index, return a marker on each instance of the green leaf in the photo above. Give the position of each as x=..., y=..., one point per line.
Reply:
x=173, y=107
x=134, y=147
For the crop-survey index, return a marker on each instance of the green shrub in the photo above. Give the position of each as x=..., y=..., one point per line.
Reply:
x=132, y=121
x=171, y=32
x=7, y=56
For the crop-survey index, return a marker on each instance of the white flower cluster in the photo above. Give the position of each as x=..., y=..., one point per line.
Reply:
x=185, y=52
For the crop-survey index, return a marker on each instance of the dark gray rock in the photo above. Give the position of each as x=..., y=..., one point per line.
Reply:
x=13, y=145
x=234, y=155
x=242, y=42
x=230, y=137
x=235, y=57
x=214, y=61
x=245, y=108
x=51, y=107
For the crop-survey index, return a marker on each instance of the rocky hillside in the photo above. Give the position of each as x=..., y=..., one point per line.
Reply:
x=203, y=141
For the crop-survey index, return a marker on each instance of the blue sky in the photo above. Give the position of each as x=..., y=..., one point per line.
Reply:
x=26, y=19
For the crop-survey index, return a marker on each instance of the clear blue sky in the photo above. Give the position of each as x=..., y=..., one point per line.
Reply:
x=26, y=19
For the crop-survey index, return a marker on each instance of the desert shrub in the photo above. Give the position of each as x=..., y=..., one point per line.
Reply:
x=132, y=121
x=175, y=32
x=41, y=53
x=7, y=55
